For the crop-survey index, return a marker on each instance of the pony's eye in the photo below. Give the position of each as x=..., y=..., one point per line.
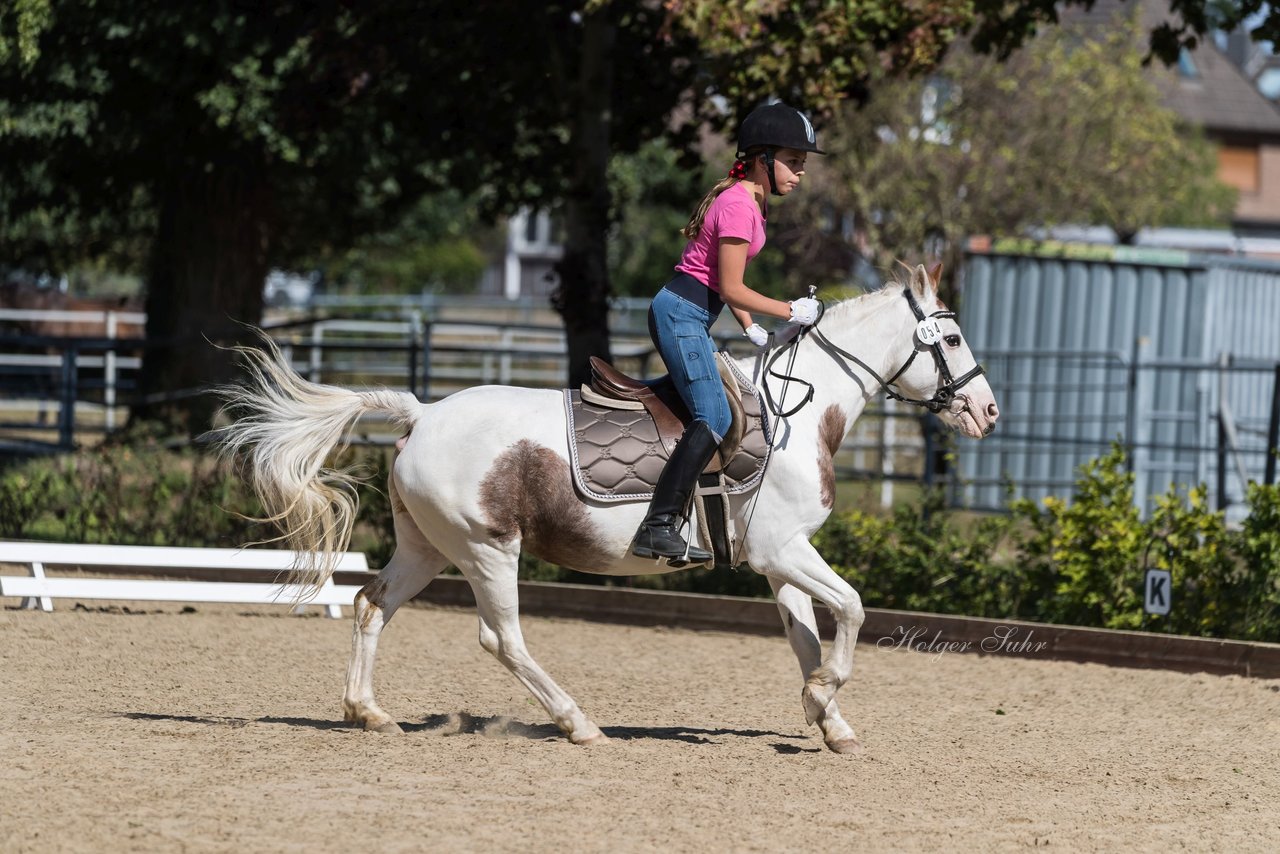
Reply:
x=952, y=340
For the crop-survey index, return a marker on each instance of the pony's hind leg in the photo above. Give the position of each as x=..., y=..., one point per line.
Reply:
x=413, y=566
x=796, y=608
x=497, y=600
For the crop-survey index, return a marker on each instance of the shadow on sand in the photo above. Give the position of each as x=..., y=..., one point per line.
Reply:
x=465, y=723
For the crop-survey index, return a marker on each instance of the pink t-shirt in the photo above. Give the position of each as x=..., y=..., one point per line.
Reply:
x=734, y=213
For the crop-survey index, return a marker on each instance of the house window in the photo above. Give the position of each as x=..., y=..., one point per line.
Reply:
x=1187, y=65
x=1238, y=166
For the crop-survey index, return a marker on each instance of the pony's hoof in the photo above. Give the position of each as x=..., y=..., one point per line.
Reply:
x=845, y=746
x=389, y=728
x=589, y=735
x=814, y=704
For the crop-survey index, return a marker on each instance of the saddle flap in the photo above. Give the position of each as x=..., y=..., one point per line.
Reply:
x=618, y=453
x=660, y=399
x=738, y=423
x=664, y=404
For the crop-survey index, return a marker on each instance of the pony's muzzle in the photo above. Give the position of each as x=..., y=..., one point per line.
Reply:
x=992, y=412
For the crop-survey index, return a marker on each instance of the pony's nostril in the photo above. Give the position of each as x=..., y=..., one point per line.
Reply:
x=993, y=412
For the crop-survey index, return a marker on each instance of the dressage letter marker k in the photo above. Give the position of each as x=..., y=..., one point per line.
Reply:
x=1159, y=584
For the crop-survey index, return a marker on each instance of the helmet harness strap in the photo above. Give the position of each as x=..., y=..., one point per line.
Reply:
x=768, y=161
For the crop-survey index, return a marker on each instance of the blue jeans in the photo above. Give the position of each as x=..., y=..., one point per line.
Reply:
x=681, y=331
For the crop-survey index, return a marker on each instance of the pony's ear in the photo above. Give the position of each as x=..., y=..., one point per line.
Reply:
x=935, y=275
x=920, y=285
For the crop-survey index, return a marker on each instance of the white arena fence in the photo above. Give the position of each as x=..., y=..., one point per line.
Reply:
x=39, y=589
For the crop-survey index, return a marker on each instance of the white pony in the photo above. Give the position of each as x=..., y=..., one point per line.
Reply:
x=485, y=473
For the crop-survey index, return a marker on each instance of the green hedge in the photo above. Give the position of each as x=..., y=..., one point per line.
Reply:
x=142, y=493
x=1079, y=562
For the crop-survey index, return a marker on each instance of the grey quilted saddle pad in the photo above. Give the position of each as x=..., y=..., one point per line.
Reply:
x=617, y=455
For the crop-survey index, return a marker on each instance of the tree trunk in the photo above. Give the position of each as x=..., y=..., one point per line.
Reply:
x=582, y=297
x=205, y=279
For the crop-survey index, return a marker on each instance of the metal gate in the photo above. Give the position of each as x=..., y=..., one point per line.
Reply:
x=1173, y=355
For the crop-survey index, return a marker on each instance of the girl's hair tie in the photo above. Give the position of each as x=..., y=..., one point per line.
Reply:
x=739, y=170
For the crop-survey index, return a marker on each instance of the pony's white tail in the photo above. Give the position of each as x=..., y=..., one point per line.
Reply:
x=284, y=427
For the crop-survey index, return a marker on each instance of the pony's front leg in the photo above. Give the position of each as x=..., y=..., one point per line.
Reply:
x=799, y=564
x=801, y=626
x=413, y=566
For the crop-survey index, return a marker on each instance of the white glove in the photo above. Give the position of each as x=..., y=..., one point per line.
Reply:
x=757, y=334
x=804, y=311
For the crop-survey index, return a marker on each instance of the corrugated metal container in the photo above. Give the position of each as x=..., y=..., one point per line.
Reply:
x=1088, y=345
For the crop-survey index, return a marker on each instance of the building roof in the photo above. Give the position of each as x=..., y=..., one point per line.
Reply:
x=1209, y=91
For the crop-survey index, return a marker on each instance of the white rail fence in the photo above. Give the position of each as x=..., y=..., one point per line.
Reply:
x=38, y=590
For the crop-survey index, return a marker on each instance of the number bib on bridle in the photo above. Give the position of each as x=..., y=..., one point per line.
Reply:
x=929, y=331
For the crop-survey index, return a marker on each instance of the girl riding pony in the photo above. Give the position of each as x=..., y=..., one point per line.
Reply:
x=724, y=234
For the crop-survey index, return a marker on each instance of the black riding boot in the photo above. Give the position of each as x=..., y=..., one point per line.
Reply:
x=659, y=534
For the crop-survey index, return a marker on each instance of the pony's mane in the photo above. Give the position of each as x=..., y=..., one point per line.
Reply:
x=868, y=301
x=838, y=312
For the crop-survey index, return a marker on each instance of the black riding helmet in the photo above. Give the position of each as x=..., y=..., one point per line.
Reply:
x=775, y=126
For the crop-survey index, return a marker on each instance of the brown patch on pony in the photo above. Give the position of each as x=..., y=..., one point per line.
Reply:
x=831, y=430
x=528, y=493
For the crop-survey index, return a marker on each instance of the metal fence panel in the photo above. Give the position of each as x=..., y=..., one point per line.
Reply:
x=1245, y=324
x=1084, y=351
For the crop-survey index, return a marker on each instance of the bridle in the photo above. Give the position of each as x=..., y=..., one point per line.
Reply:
x=928, y=333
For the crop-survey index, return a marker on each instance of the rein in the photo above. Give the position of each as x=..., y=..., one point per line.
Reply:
x=776, y=407
x=928, y=332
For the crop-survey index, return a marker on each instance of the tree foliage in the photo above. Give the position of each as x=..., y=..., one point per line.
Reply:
x=207, y=142
x=440, y=245
x=1068, y=130
x=210, y=142
x=652, y=195
x=824, y=50
x=814, y=52
x=21, y=23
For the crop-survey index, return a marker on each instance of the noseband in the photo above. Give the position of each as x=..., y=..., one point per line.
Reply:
x=928, y=333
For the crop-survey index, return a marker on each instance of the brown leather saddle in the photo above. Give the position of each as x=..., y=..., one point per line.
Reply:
x=663, y=403
x=621, y=432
